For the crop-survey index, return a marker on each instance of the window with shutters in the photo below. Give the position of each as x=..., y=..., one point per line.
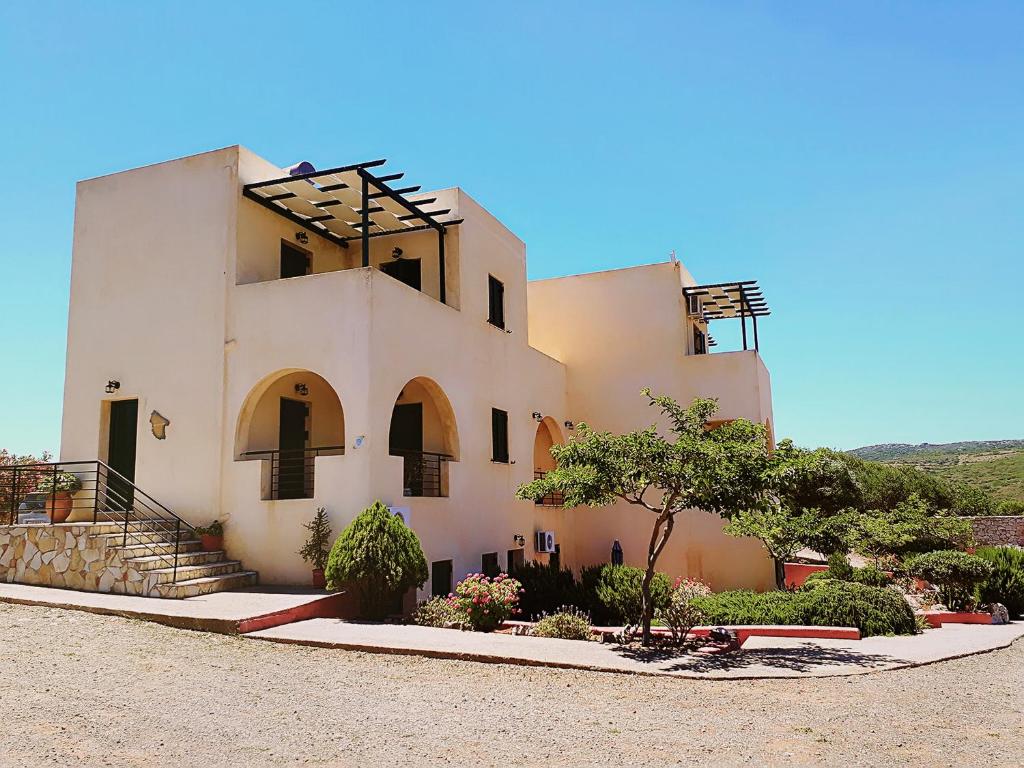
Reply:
x=441, y=578
x=499, y=435
x=495, y=302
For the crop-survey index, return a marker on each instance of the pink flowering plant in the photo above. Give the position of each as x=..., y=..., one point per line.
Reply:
x=486, y=602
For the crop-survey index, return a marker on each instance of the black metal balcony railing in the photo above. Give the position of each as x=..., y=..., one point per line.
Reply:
x=291, y=471
x=553, y=499
x=91, y=491
x=424, y=473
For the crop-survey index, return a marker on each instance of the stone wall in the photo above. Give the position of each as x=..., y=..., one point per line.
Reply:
x=998, y=530
x=75, y=556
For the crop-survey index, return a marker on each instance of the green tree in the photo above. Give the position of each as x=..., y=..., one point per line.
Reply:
x=955, y=573
x=379, y=556
x=810, y=504
x=717, y=470
x=911, y=526
x=314, y=551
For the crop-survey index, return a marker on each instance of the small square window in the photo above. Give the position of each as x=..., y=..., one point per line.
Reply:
x=516, y=558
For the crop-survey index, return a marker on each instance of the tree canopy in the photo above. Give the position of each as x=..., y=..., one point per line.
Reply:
x=721, y=471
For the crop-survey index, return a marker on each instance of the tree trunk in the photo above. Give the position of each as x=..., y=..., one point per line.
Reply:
x=657, y=544
x=780, y=573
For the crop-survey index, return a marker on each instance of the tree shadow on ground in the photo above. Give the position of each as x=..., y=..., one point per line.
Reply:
x=802, y=658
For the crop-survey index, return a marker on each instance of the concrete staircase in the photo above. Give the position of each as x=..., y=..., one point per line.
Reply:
x=150, y=552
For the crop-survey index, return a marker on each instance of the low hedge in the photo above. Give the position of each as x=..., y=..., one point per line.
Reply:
x=823, y=603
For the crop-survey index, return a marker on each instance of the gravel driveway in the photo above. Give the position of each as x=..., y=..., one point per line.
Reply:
x=80, y=689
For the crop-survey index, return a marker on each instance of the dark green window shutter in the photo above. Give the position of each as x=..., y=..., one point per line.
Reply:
x=499, y=435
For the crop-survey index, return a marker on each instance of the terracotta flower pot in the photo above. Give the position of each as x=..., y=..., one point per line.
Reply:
x=319, y=580
x=211, y=543
x=58, y=506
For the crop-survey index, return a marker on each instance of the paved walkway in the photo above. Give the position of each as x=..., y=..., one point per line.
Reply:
x=760, y=657
x=224, y=612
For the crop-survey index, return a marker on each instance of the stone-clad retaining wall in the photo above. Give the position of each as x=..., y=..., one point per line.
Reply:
x=997, y=530
x=67, y=555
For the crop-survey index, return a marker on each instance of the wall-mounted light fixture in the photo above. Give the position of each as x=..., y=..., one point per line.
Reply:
x=519, y=539
x=396, y=252
x=112, y=386
x=538, y=416
x=569, y=425
x=302, y=237
x=302, y=389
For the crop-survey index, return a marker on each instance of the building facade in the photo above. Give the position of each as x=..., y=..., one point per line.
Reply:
x=285, y=341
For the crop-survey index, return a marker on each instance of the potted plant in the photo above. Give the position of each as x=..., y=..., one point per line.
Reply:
x=315, y=550
x=212, y=536
x=58, y=488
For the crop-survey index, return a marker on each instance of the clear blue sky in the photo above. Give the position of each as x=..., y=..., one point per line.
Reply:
x=864, y=161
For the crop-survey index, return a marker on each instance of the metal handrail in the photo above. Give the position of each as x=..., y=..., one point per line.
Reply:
x=422, y=472
x=294, y=467
x=113, y=495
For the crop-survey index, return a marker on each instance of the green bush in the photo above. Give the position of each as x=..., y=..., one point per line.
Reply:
x=746, y=607
x=380, y=557
x=873, y=610
x=569, y=623
x=839, y=566
x=1011, y=507
x=870, y=576
x=619, y=588
x=955, y=573
x=438, y=612
x=545, y=588
x=822, y=602
x=681, y=615
x=1005, y=584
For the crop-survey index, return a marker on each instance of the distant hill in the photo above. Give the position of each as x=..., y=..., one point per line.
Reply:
x=996, y=466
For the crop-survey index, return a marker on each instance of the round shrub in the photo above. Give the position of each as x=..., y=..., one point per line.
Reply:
x=1005, y=584
x=871, y=576
x=438, y=612
x=873, y=610
x=619, y=589
x=485, y=602
x=569, y=623
x=380, y=557
x=681, y=615
x=955, y=574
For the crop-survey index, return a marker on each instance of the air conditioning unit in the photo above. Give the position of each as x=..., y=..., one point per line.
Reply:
x=694, y=306
x=545, y=543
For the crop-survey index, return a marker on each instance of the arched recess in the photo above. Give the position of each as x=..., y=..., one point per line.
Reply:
x=259, y=426
x=438, y=430
x=424, y=433
x=548, y=434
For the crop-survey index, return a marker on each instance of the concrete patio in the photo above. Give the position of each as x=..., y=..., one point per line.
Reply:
x=224, y=612
x=760, y=657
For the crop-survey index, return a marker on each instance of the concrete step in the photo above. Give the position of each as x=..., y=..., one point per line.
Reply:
x=208, y=584
x=154, y=561
x=189, y=572
x=160, y=548
x=138, y=537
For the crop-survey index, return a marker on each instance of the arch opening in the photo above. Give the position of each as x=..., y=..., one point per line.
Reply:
x=548, y=435
x=423, y=431
x=289, y=418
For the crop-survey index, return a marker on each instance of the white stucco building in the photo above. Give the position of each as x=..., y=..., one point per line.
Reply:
x=323, y=339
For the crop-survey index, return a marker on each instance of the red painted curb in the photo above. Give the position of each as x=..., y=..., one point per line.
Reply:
x=938, y=618
x=327, y=607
